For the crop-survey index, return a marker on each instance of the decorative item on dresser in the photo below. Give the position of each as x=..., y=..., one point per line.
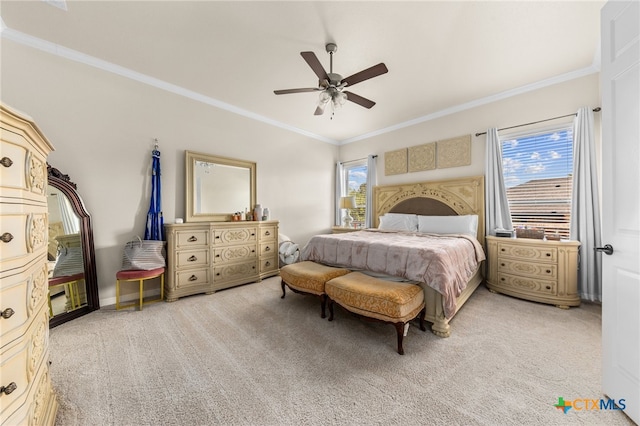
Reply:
x=204, y=257
x=533, y=269
x=26, y=394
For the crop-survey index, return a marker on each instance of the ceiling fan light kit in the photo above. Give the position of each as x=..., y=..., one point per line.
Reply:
x=331, y=85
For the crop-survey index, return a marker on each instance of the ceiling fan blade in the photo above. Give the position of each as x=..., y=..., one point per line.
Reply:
x=286, y=91
x=319, y=111
x=374, y=71
x=359, y=100
x=315, y=65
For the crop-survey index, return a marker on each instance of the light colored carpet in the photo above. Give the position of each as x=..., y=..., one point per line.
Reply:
x=243, y=356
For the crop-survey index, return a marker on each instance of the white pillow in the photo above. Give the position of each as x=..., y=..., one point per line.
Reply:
x=399, y=222
x=466, y=224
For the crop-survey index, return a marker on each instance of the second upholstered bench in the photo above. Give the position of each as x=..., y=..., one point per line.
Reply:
x=388, y=301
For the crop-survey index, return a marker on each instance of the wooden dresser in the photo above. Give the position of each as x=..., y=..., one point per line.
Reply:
x=537, y=270
x=203, y=257
x=26, y=394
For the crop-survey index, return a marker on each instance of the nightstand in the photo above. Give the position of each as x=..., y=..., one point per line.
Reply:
x=537, y=270
x=342, y=230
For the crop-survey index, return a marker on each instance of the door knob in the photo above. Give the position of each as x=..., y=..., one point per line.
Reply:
x=607, y=249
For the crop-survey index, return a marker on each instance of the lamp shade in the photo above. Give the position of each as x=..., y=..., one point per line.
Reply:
x=348, y=202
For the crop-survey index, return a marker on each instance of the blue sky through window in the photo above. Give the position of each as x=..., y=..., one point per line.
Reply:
x=540, y=156
x=357, y=175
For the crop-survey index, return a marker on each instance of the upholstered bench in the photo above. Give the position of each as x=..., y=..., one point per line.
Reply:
x=309, y=278
x=387, y=301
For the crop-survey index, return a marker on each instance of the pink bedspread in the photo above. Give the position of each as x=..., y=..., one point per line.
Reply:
x=443, y=262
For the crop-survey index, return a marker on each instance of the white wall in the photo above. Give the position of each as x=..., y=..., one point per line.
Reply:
x=553, y=101
x=103, y=127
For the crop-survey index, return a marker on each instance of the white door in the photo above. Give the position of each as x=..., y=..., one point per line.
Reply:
x=620, y=84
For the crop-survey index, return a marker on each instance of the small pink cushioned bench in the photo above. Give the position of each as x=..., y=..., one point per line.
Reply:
x=393, y=302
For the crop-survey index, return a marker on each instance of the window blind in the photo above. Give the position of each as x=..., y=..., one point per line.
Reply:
x=537, y=170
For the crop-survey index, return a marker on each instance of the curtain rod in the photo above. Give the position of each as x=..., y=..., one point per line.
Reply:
x=357, y=159
x=596, y=109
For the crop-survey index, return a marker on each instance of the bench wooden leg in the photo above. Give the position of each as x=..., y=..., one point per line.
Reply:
x=283, y=292
x=330, y=308
x=400, y=332
x=422, y=315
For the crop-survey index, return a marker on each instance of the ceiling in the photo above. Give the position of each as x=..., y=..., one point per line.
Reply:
x=442, y=56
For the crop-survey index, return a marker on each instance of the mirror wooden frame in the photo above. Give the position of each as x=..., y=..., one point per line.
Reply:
x=190, y=162
x=69, y=189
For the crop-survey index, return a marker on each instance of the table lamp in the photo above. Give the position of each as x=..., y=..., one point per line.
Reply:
x=347, y=203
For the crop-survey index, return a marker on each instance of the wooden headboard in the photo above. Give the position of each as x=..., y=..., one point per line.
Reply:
x=437, y=198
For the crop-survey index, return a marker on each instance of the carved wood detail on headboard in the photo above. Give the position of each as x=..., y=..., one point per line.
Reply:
x=459, y=196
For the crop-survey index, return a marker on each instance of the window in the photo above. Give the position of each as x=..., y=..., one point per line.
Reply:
x=537, y=169
x=355, y=184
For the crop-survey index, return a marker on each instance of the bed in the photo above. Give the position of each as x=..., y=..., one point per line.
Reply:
x=455, y=197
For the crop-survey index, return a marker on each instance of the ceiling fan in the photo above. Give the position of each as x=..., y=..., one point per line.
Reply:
x=331, y=85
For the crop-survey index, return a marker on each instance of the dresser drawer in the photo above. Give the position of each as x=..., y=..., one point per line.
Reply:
x=268, y=233
x=244, y=270
x=192, y=258
x=21, y=360
x=268, y=264
x=192, y=238
x=234, y=253
x=528, y=285
x=268, y=248
x=528, y=252
x=23, y=238
x=235, y=236
x=25, y=174
x=13, y=299
x=538, y=270
x=192, y=278
x=25, y=293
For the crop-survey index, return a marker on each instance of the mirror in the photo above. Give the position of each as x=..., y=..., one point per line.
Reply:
x=217, y=187
x=73, y=284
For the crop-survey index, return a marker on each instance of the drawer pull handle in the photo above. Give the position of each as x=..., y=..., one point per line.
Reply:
x=267, y=233
x=6, y=237
x=218, y=274
x=502, y=250
x=267, y=263
x=6, y=161
x=192, y=259
x=217, y=237
x=217, y=255
x=193, y=278
x=502, y=264
x=8, y=389
x=253, y=251
x=548, y=271
x=192, y=239
x=253, y=234
x=501, y=279
x=7, y=313
x=548, y=254
x=267, y=248
x=548, y=287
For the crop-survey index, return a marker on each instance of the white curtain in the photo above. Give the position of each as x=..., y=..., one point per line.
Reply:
x=585, y=206
x=339, y=190
x=497, y=213
x=372, y=181
x=70, y=223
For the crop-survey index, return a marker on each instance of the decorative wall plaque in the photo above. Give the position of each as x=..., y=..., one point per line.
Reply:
x=454, y=152
x=395, y=162
x=422, y=157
